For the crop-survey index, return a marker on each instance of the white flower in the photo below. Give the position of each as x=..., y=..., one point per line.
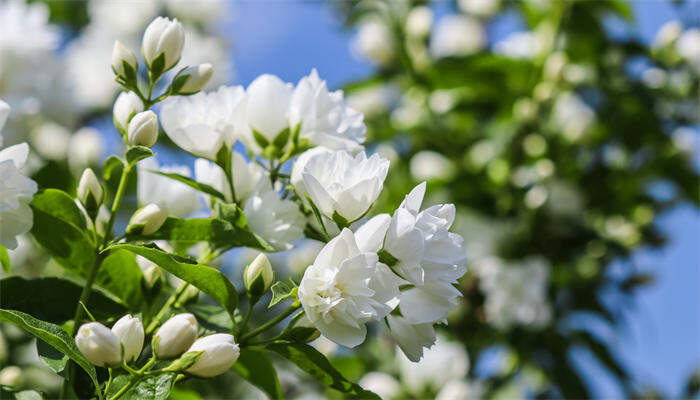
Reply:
x=572, y=116
x=411, y=338
x=220, y=351
x=296, y=177
x=374, y=41
x=163, y=36
x=382, y=384
x=175, y=335
x=428, y=165
x=423, y=251
x=85, y=148
x=180, y=199
x=457, y=35
x=259, y=267
x=481, y=8
x=276, y=220
x=267, y=105
x=326, y=120
x=668, y=34
x=432, y=370
x=688, y=46
x=126, y=106
x=16, y=191
x=195, y=78
x=346, y=288
x=51, y=141
x=341, y=184
x=246, y=176
x=525, y=45
x=129, y=331
x=460, y=389
x=143, y=129
x=419, y=22
x=99, y=344
x=202, y=123
x=148, y=219
x=121, y=54
x=90, y=191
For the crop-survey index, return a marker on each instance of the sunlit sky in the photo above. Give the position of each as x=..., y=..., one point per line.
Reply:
x=660, y=339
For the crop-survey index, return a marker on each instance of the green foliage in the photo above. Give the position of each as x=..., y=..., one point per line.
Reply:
x=53, y=299
x=52, y=335
x=135, y=154
x=315, y=364
x=202, y=187
x=59, y=228
x=120, y=274
x=156, y=387
x=4, y=260
x=207, y=279
x=283, y=290
x=254, y=366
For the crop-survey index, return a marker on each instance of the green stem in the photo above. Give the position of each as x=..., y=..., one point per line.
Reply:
x=247, y=314
x=109, y=382
x=274, y=321
x=147, y=365
x=228, y=171
x=171, y=300
x=123, y=180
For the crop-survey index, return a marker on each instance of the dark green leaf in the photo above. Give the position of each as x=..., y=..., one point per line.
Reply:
x=121, y=275
x=281, y=139
x=220, y=233
x=282, y=290
x=137, y=153
x=254, y=366
x=157, y=66
x=112, y=165
x=53, y=358
x=260, y=139
x=7, y=393
x=51, y=334
x=53, y=299
x=192, y=183
x=206, y=279
x=59, y=228
x=155, y=387
x=315, y=364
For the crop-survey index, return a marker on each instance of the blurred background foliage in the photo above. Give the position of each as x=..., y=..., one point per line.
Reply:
x=560, y=145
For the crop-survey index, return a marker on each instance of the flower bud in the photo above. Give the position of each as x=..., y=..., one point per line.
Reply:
x=419, y=22
x=163, y=36
x=143, y=129
x=120, y=56
x=102, y=220
x=126, y=106
x=99, y=344
x=129, y=330
x=148, y=219
x=175, y=336
x=192, y=79
x=220, y=351
x=89, y=190
x=258, y=276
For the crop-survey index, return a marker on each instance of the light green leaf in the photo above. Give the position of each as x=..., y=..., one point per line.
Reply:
x=282, y=290
x=137, y=153
x=112, y=165
x=53, y=299
x=220, y=233
x=207, y=279
x=4, y=259
x=59, y=228
x=52, y=335
x=254, y=366
x=315, y=364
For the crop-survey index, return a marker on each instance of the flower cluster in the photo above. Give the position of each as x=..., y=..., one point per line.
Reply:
x=177, y=338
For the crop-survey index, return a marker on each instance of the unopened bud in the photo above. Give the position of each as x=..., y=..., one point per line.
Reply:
x=143, y=129
x=99, y=344
x=175, y=336
x=124, y=62
x=192, y=79
x=147, y=220
x=166, y=37
x=126, y=106
x=129, y=330
x=219, y=352
x=90, y=191
x=258, y=276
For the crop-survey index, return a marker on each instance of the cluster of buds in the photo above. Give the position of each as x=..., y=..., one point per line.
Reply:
x=176, y=339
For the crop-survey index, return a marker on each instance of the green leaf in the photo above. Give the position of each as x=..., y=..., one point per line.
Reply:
x=55, y=360
x=157, y=66
x=282, y=290
x=7, y=393
x=211, y=318
x=315, y=364
x=192, y=183
x=387, y=258
x=282, y=138
x=4, y=259
x=254, y=366
x=155, y=387
x=52, y=335
x=260, y=139
x=207, y=279
x=231, y=213
x=53, y=299
x=112, y=165
x=59, y=228
x=137, y=153
x=121, y=275
x=185, y=361
x=220, y=233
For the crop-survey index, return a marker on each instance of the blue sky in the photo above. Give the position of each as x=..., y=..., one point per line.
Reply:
x=660, y=340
